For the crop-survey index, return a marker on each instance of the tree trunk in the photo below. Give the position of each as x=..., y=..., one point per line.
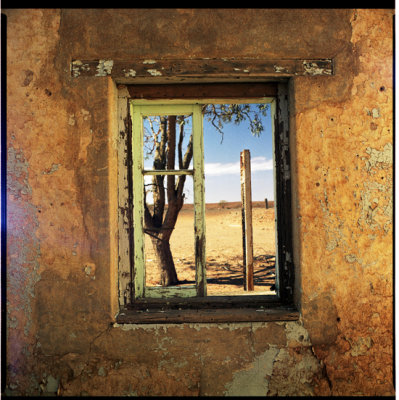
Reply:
x=161, y=245
x=159, y=224
x=166, y=265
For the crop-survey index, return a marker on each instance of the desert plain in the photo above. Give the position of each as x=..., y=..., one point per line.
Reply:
x=224, y=249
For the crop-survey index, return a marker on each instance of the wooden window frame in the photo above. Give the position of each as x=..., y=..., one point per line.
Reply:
x=136, y=308
x=138, y=110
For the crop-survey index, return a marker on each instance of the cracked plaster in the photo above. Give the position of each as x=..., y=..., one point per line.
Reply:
x=59, y=324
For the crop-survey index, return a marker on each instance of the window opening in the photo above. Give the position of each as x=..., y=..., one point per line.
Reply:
x=169, y=204
x=229, y=129
x=168, y=219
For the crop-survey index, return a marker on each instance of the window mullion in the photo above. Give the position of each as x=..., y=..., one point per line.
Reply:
x=168, y=172
x=138, y=201
x=199, y=199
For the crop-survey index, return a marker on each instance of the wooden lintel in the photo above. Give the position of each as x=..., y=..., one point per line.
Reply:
x=203, y=91
x=200, y=68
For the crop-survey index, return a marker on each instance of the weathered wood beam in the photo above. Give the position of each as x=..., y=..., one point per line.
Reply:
x=227, y=302
x=246, y=207
x=206, y=315
x=200, y=68
x=203, y=91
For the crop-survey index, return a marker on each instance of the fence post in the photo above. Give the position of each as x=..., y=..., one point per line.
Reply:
x=267, y=204
x=246, y=212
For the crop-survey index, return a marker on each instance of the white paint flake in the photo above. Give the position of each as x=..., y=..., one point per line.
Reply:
x=77, y=66
x=313, y=68
x=280, y=69
x=154, y=72
x=129, y=73
x=104, y=67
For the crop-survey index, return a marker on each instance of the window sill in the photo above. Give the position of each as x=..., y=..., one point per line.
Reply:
x=155, y=315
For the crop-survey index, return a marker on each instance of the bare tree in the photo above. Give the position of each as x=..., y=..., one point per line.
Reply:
x=164, y=135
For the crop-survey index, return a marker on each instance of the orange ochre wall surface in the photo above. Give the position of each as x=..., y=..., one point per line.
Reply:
x=60, y=332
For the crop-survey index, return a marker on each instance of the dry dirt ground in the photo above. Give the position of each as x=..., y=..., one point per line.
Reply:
x=224, y=260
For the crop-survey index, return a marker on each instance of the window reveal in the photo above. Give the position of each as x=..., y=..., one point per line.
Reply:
x=195, y=295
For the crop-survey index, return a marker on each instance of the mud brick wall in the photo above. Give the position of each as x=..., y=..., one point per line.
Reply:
x=61, y=278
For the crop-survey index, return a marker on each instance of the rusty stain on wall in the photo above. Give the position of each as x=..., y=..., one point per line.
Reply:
x=61, y=335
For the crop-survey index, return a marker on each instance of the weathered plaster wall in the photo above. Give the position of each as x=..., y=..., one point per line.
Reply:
x=61, y=169
x=346, y=217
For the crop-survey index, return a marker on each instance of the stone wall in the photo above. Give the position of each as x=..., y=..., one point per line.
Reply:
x=61, y=278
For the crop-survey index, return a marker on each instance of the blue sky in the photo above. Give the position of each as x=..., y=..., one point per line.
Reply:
x=222, y=162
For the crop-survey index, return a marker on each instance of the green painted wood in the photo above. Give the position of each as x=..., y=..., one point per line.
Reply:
x=140, y=108
x=138, y=112
x=166, y=109
x=124, y=220
x=138, y=199
x=169, y=172
x=171, y=291
x=199, y=200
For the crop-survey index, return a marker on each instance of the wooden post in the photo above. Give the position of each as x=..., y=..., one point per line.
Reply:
x=267, y=204
x=246, y=209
